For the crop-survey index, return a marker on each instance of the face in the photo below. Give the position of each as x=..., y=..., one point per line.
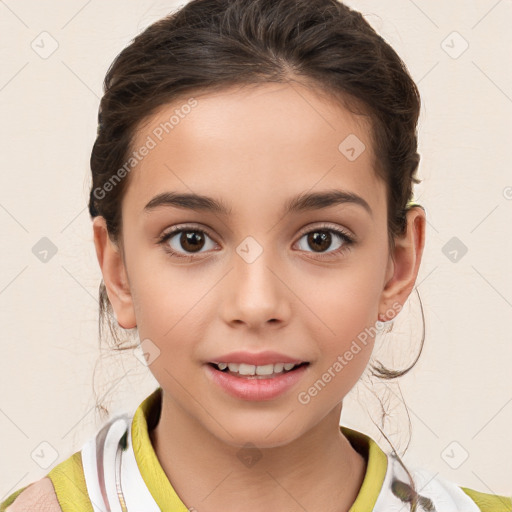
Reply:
x=304, y=282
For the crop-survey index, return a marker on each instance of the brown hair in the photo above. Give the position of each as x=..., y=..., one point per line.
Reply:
x=210, y=45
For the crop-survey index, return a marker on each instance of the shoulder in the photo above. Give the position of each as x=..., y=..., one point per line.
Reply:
x=489, y=502
x=37, y=497
x=63, y=489
x=433, y=492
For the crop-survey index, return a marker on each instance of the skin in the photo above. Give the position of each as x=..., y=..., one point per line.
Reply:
x=254, y=148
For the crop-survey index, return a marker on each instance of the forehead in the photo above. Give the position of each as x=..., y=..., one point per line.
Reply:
x=246, y=144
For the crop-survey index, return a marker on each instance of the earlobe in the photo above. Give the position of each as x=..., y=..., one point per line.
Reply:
x=403, y=265
x=114, y=275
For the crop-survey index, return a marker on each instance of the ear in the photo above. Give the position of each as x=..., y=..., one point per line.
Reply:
x=114, y=275
x=403, y=265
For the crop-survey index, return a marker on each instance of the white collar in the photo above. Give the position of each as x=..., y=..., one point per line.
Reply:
x=115, y=484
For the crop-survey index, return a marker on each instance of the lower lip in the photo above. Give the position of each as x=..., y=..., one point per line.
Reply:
x=256, y=389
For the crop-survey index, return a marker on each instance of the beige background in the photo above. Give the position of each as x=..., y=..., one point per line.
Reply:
x=460, y=393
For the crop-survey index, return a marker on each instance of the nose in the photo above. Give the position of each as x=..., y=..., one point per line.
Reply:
x=255, y=293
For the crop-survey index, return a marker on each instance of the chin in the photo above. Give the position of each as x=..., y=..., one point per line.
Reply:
x=271, y=434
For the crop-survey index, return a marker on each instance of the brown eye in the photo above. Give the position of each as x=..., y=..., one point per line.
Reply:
x=186, y=242
x=191, y=241
x=321, y=239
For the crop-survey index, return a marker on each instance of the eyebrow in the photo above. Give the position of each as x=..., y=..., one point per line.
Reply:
x=300, y=203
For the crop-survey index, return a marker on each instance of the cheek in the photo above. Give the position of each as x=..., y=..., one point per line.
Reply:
x=162, y=291
x=344, y=335
x=345, y=301
x=341, y=312
x=168, y=303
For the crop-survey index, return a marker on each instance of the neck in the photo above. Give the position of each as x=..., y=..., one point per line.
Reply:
x=318, y=471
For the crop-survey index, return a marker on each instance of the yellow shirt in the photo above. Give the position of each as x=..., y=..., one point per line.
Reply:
x=376, y=493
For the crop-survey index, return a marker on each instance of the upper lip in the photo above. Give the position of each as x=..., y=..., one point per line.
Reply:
x=257, y=358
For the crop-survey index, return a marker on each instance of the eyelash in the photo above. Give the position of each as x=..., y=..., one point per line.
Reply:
x=348, y=240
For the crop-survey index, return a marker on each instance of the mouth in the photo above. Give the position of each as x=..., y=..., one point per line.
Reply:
x=249, y=371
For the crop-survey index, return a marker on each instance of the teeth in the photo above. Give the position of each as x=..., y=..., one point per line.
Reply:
x=250, y=369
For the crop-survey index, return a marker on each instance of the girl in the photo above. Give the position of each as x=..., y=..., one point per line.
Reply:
x=253, y=219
